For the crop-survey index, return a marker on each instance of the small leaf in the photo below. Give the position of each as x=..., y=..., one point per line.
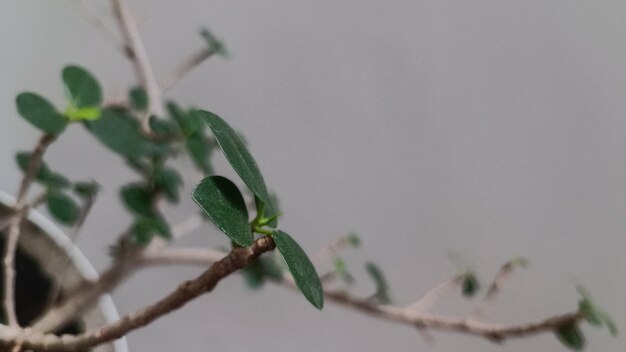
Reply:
x=301, y=268
x=223, y=203
x=382, y=289
x=163, y=127
x=169, y=181
x=86, y=189
x=237, y=154
x=254, y=275
x=44, y=174
x=342, y=271
x=39, y=112
x=62, y=207
x=571, y=336
x=610, y=324
x=354, y=240
x=138, y=98
x=81, y=87
x=214, y=44
x=120, y=133
x=138, y=198
x=88, y=113
x=470, y=284
x=190, y=124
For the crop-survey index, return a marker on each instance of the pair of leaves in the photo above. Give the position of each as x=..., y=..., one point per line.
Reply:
x=594, y=315
x=44, y=175
x=222, y=201
x=83, y=92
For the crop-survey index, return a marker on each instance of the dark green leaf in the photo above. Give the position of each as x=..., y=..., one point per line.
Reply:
x=301, y=268
x=44, y=174
x=200, y=150
x=138, y=98
x=39, y=112
x=610, y=324
x=161, y=226
x=254, y=275
x=214, y=44
x=237, y=154
x=62, y=207
x=223, y=203
x=86, y=189
x=189, y=124
x=571, y=336
x=163, y=127
x=121, y=133
x=382, y=289
x=354, y=240
x=169, y=181
x=470, y=284
x=143, y=230
x=138, y=198
x=82, y=88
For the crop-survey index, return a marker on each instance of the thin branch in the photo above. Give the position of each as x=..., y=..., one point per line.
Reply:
x=20, y=208
x=494, y=289
x=137, y=54
x=406, y=315
x=187, y=291
x=185, y=67
x=427, y=301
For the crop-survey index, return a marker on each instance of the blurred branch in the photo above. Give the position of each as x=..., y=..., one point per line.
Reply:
x=180, y=71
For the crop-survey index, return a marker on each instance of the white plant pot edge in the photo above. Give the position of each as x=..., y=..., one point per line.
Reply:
x=78, y=259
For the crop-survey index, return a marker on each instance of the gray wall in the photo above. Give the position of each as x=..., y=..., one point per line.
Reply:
x=478, y=129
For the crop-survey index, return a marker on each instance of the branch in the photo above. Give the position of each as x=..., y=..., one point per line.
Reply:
x=20, y=208
x=436, y=294
x=407, y=316
x=137, y=54
x=187, y=291
x=495, y=288
x=185, y=67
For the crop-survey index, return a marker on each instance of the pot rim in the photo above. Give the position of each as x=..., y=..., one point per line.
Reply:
x=77, y=258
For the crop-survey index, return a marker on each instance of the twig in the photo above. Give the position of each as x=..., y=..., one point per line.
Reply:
x=187, y=291
x=98, y=24
x=494, y=289
x=433, y=296
x=137, y=54
x=185, y=67
x=34, y=164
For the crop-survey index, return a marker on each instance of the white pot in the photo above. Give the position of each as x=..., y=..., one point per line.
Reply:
x=62, y=262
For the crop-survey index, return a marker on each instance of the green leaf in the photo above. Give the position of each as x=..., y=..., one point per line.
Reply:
x=571, y=336
x=214, y=44
x=120, y=133
x=301, y=268
x=162, y=127
x=81, y=87
x=254, y=275
x=221, y=200
x=189, y=124
x=470, y=285
x=138, y=198
x=88, y=113
x=62, y=207
x=341, y=270
x=382, y=289
x=138, y=98
x=608, y=321
x=169, y=180
x=41, y=113
x=237, y=154
x=86, y=189
x=354, y=240
x=44, y=174
x=200, y=150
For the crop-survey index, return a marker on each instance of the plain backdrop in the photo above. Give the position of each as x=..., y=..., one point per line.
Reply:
x=436, y=129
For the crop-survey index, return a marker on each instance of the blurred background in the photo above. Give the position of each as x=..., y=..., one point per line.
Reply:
x=474, y=130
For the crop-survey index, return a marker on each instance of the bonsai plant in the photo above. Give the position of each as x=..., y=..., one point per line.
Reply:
x=147, y=132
